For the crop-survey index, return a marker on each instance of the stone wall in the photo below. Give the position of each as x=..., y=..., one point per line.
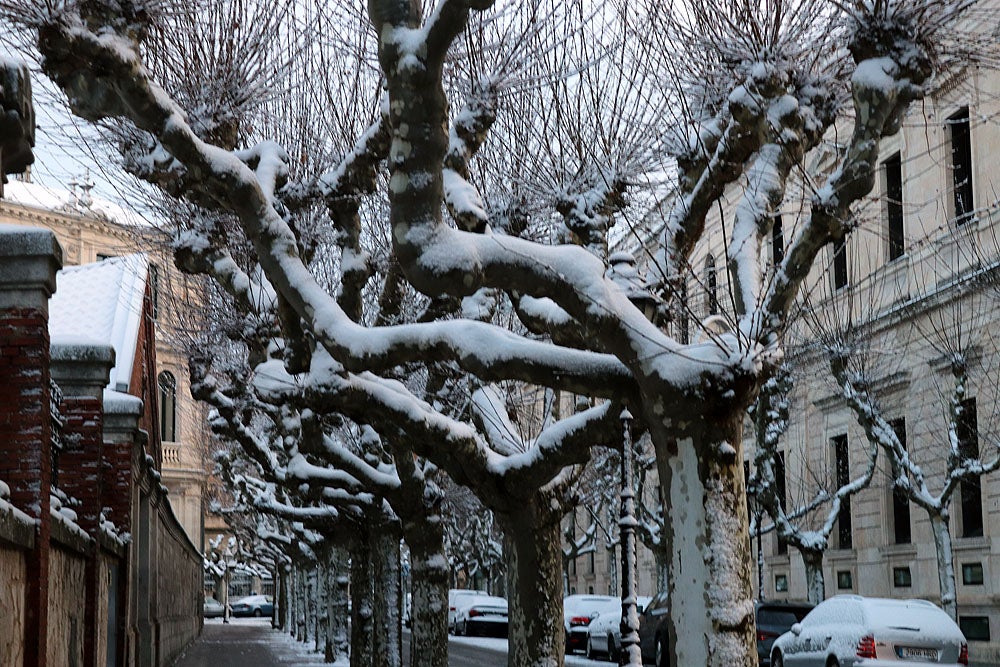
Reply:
x=178, y=586
x=66, y=605
x=13, y=579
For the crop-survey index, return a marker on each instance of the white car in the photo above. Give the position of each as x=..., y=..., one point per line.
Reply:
x=456, y=598
x=481, y=615
x=578, y=612
x=604, y=636
x=850, y=630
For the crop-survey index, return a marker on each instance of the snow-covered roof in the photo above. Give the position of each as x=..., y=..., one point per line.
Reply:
x=53, y=199
x=101, y=303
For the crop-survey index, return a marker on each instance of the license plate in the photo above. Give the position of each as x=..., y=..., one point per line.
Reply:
x=921, y=653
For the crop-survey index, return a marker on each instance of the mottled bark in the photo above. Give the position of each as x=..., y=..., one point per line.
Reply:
x=945, y=561
x=387, y=646
x=815, y=581
x=429, y=582
x=362, y=593
x=322, y=604
x=339, y=586
x=711, y=620
x=534, y=570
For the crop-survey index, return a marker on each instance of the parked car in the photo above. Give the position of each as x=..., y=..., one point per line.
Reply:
x=481, y=615
x=455, y=599
x=773, y=620
x=850, y=630
x=578, y=612
x=653, y=631
x=214, y=608
x=254, y=605
x=604, y=636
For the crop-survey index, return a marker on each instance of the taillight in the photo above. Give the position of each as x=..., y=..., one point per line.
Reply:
x=963, y=655
x=866, y=647
x=474, y=612
x=579, y=620
x=451, y=609
x=763, y=635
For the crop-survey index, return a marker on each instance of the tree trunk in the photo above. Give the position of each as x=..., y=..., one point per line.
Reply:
x=707, y=536
x=302, y=622
x=362, y=591
x=430, y=577
x=662, y=560
x=340, y=584
x=322, y=606
x=387, y=642
x=534, y=570
x=945, y=561
x=815, y=581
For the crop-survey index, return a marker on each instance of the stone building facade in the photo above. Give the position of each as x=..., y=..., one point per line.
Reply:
x=917, y=280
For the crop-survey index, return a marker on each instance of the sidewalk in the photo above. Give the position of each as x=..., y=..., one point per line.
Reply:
x=246, y=643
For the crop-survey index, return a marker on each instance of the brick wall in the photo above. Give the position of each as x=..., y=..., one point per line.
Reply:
x=66, y=584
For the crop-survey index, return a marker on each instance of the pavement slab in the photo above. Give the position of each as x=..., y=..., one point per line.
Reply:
x=246, y=643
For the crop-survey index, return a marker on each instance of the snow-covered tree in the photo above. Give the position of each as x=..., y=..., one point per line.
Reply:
x=963, y=449
x=741, y=92
x=807, y=526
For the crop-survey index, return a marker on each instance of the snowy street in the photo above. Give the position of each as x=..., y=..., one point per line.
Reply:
x=250, y=642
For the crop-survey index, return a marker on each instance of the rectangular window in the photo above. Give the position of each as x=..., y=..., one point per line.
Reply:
x=845, y=581
x=901, y=577
x=843, y=473
x=777, y=241
x=894, y=205
x=971, y=493
x=972, y=574
x=591, y=565
x=572, y=567
x=975, y=628
x=779, y=490
x=961, y=164
x=902, y=533
x=781, y=583
x=839, y=264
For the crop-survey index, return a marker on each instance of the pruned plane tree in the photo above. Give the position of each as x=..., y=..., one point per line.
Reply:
x=463, y=136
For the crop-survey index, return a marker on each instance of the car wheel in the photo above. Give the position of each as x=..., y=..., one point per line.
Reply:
x=776, y=660
x=661, y=652
x=614, y=651
x=832, y=662
x=257, y=613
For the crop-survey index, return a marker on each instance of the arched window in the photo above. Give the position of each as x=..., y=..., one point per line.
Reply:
x=712, y=286
x=168, y=407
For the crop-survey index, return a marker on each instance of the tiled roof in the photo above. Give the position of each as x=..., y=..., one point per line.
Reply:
x=101, y=303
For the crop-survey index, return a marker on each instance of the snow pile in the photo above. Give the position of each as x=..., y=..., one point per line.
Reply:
x=63, y=514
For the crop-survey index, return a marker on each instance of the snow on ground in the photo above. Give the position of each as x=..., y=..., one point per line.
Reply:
x=499, y=644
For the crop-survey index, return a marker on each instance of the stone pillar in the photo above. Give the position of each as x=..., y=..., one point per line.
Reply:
x=29, y=260
x=121, y=433
x=121, y=436
x=82, y=371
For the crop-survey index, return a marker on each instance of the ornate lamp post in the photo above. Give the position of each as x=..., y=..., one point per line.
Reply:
x=630, y=653
x=623, y=271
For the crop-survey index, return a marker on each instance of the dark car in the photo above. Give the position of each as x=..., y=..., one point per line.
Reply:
x=653, y=631
x=773, y=620
x=253, y=605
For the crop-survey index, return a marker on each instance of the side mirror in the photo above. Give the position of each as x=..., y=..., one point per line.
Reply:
x=797, y=629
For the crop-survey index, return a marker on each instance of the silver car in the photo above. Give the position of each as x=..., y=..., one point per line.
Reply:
x=850, y=630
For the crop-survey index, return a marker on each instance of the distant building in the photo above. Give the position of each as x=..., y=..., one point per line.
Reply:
x=90, y=230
